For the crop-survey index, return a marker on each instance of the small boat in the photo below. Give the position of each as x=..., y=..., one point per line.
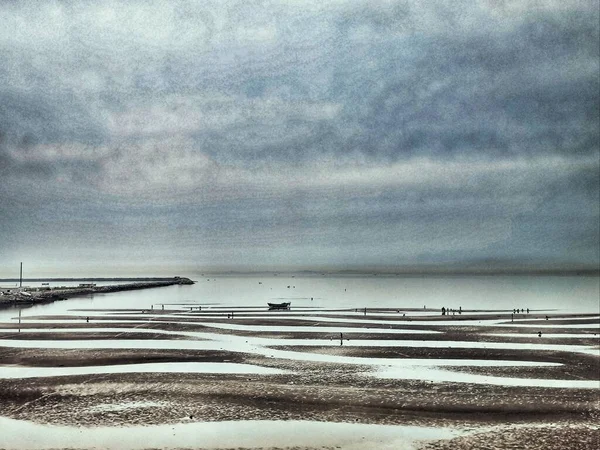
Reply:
x=285, y=305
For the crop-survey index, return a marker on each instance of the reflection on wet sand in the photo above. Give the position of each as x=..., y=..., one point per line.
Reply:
x=179, y=367
x=182, y=369
x=405, y=368
x=222, y=435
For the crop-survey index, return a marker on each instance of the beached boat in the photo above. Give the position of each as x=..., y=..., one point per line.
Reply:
x=285, y=305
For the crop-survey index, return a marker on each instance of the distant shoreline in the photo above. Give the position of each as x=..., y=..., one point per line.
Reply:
x=406, y=273
x=415, y=272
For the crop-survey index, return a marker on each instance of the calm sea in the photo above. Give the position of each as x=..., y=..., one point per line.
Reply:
x=567, y=294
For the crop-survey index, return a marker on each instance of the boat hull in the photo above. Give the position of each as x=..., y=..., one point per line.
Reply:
x=285, y=305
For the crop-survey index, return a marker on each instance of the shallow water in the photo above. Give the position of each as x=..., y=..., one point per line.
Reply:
x=312, y=329
x=224, y=326
x=409, y=368
x=330, y=323
x=445, y=376
x=221, y=435
x=568, y=294
x=549, y=335
x=174, y=367
x=213, y=341
x=227, y=293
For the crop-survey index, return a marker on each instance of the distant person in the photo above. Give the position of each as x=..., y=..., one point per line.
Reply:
x=341, y=339
x=546, y=317
x=443, y=311
x=87, y=319
x=539, y=334
x=527, y=310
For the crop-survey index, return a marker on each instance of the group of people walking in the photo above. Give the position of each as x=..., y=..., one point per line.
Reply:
x=447, y=311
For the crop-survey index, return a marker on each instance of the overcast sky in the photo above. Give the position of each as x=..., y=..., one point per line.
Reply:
x=294, y=134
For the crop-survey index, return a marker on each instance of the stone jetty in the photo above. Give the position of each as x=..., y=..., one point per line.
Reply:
x=38, y=295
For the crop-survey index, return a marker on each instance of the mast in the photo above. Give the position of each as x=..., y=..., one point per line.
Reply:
x=21, y=276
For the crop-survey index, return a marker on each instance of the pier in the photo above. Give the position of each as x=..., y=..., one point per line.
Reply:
x=28, y=296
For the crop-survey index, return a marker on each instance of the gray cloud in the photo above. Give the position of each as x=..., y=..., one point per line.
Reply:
x=333, y=133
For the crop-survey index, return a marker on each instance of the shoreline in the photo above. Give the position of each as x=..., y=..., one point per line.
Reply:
x=173, y=372
x=28, y=296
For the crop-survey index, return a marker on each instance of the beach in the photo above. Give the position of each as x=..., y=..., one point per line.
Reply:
x=173, y=377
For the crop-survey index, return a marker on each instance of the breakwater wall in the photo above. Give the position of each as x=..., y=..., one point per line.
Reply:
x=32, y=296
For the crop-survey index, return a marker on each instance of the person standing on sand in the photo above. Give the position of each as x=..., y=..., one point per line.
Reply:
x=341, y=339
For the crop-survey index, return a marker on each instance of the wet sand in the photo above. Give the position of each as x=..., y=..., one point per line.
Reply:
x=328, y=382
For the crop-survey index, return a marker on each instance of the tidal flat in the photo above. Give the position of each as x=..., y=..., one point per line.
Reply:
x=187, y=371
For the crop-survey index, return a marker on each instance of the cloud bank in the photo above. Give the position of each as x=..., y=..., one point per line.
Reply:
x=299, y=134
